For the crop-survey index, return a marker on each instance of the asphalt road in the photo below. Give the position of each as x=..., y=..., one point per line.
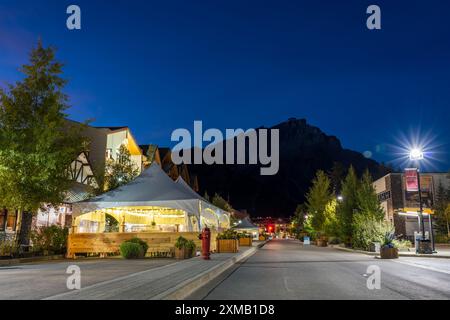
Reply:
x=42, y=280
x=285, y=269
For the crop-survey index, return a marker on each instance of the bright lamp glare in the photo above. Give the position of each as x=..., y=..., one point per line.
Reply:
x=416, y=154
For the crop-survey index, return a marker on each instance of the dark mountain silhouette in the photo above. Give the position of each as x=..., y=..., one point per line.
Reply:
x=303, y=150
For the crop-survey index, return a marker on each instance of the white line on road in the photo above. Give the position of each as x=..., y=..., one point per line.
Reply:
x=422, y=266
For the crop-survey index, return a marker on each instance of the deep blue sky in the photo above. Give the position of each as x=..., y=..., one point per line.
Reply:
x=160, y=65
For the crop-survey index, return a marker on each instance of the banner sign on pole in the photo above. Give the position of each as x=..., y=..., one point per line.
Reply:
x=411, y=179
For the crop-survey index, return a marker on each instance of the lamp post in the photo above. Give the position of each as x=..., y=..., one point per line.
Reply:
x=416, y=155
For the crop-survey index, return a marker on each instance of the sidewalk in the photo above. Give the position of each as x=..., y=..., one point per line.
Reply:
x=173, y=281
x=442, y=252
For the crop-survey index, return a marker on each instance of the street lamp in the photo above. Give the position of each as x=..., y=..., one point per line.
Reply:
x=340, y=198
x=415, y=155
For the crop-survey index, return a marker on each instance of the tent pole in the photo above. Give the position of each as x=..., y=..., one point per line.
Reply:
x=199, y=215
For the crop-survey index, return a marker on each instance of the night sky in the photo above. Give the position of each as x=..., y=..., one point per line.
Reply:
x=159, y=65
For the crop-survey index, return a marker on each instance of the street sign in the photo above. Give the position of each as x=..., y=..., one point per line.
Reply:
x=306, y=240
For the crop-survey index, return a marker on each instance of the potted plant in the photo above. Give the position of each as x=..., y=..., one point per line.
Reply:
x=180, y=248
x=322, y=240
x=190, y=249
x=228, y=241
x=388, y=249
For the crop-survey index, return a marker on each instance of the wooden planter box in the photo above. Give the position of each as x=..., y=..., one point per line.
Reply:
x=227, y=246
x=180, y=253
x=246, y=242
x=322, y=243
x=389, y=253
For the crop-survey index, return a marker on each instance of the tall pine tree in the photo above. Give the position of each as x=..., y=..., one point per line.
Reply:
x=349, y=204
x=318, y=197
x=368, y=203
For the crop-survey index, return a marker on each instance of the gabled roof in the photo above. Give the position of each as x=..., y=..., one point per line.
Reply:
x=113, y=128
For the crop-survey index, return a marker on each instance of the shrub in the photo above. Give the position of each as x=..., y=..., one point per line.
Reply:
x=368, y=229
x=442, y=238
x=140, y=242
x=52, y=238
x=402, y=244
x=228, y=235
x=131, y=250
x=334, y=240
x=8, y=248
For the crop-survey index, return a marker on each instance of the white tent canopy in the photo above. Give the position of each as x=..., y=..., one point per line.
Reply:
x=153, y=188
x=207, y=209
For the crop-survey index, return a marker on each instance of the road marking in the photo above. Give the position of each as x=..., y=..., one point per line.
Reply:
x=422, y=266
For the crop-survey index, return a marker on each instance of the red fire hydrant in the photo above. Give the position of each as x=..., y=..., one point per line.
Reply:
x=206, y=243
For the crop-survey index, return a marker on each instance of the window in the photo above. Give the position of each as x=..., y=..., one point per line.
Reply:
x=2, y=219
x=108, y=153
x=11, y=220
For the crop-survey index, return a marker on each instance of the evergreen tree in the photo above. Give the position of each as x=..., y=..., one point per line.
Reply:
x=349, y=204
x=336, y=176
x=318, y=197
x=121, y=170
x=221, y=203
x=368, y=203
x=36, y=142
x=299, y=218
x=442, y=210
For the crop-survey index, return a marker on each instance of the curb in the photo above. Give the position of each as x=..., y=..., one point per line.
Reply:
x=186, y=287
x=10, y=262
x=400, y=254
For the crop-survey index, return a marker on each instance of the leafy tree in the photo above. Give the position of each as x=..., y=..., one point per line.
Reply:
x=221, y=203
x=317, y=198
x=330, y=225
x=36, y=143
x=206, y=196
x=368, y=203
x=121, y=170
x=349, y=204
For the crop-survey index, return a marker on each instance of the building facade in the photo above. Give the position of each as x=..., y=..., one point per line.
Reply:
x=401, y=207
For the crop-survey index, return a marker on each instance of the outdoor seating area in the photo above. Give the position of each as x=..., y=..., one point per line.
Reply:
x=152, y=207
